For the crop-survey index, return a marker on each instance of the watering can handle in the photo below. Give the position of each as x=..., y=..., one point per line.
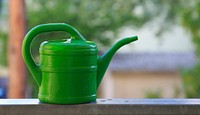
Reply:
x=33, y=68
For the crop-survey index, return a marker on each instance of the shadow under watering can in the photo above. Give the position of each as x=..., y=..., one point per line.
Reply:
x=70, y=70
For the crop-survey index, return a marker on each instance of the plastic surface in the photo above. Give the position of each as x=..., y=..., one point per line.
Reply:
x=70, y=70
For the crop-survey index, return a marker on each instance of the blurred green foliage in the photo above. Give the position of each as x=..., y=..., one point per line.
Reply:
x=191, y=80
x=97, y=20
x=3, y=41
x=153, y=94
x=3, y=52
x=158, y=93
x=0, y=5
x=191, y=21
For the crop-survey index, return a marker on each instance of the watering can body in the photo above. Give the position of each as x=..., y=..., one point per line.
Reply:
x=70, y=70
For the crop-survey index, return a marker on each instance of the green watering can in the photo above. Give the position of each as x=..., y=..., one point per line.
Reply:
x=70, y=70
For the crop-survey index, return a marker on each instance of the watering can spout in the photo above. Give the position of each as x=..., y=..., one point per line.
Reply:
x=104, y=60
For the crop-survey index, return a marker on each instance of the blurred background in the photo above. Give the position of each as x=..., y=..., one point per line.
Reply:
x=163, y=63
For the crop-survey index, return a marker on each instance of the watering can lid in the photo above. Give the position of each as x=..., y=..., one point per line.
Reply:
x=67, y=45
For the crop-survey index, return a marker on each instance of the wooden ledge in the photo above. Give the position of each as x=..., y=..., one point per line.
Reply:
x=102, y=106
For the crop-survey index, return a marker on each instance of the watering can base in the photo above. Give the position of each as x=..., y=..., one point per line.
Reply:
x=67, y=100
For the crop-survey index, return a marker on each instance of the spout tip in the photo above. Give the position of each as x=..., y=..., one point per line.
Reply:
x=133, y=38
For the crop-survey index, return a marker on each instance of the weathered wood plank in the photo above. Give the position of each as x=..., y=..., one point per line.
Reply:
x=102, y=106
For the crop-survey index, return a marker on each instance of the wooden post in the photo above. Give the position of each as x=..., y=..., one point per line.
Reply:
x=17, y=70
